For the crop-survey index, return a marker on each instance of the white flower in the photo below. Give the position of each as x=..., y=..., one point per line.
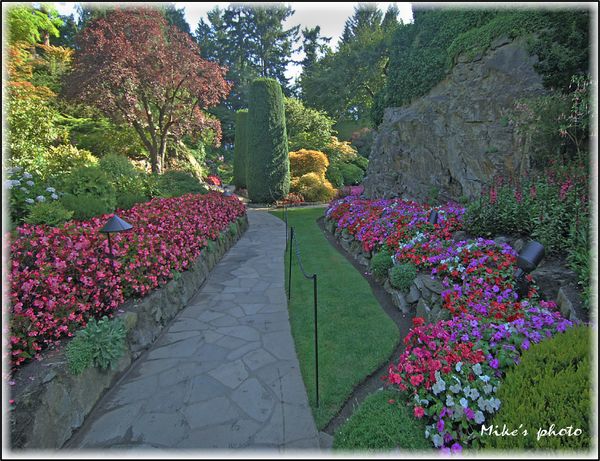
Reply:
x=27, y=176
x=16, y=182
x=40, y=198
x=479, y=418
x=24, y=190
x=50, y=190
x=54, y=197
x=477, y=370
x=29, y=201
x=30, y=183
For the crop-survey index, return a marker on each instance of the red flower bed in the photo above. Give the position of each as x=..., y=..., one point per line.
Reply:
x=62, y=276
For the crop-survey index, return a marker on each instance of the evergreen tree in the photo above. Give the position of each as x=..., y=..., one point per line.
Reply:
x=268, y=167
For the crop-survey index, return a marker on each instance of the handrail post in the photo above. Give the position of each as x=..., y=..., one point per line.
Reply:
x=316, y=340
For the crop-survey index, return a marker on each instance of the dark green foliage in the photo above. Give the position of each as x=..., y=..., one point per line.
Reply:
x=563, y=47
x=268, y=168
x=352, y=174
x=422, y=53
x=381, y=262
x=85, y=206
x=240, y=152
x=102, y=137
x=380, y=425
x=129, y=183
x=551, y=386
x=100, y=344
x=360, y=162
x=403, y=275
x=579, y=257
x=51, y=213
x=335, y=176
x=126, y=200
x=174, y=183
x=88, y=190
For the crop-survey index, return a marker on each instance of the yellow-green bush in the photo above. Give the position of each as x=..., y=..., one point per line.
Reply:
x=61, y=160
x=313, y=187
x=337, y=150
x=306, y=161
x=550, y=389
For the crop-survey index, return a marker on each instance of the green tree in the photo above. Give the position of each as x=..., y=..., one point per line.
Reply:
x=33, y=25
x=314, y=46
x=307, y=128
x=268, y=169
x=344, y=83
x=240, y=153
x=251, y=42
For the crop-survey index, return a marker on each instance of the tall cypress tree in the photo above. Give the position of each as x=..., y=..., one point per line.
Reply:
x=268, y=168
x=240, y=151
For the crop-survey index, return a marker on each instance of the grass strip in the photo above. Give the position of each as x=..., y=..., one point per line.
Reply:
x=355, y=334
x=378, y=425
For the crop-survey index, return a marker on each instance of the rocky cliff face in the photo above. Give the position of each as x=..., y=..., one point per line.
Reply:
x=456, y=138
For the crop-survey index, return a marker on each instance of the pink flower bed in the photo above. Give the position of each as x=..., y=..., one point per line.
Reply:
x=62, y=276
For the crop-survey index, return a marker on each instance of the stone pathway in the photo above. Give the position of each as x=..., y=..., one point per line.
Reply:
x=224, y=374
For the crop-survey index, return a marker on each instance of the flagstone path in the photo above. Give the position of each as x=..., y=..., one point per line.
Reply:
x=224, y=373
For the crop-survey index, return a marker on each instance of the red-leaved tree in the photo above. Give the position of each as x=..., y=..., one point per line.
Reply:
x=135, y=67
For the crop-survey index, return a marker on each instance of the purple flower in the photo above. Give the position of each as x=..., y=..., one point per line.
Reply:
x=494, y=364
x=440, y=425
x=470, y=414
x=456, y=448
x=525, y=344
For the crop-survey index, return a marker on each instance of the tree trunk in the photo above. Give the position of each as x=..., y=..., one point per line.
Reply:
x=156, y=160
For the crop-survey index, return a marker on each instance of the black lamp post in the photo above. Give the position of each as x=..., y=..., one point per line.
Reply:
x=114, y=225
x=433, y=217
x=527, y=260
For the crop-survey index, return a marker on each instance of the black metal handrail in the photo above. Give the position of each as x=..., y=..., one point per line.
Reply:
x=294, y=244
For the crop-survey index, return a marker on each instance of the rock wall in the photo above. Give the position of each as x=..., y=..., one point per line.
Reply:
x=457, y=137
x=50, y=402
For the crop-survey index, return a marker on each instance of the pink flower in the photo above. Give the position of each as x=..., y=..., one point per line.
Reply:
x=418, y=412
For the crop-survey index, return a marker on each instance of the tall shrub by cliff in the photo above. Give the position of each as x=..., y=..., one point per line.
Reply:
x=268, y=166
x=240, y=152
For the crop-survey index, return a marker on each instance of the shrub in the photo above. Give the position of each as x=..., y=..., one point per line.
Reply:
x=100, y=344
x=61, y=160
x=403, y=275
x=174, y=183
x=360, y=162
x=129, y=183
x=551, y=386
x=334, y=175
x=306, y=128
x=337, y=150
x=308, y=161
x=93, y=184
x=381, y=262
x=25, y=190
x=313, y=187
x=240, y=152
x=268, y=170
x=352, y=174
x=85, y=206
x=50, y=213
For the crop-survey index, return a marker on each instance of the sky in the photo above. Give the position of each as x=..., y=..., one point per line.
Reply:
x=331, y=16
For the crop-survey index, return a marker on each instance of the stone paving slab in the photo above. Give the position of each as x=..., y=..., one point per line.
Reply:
x=224, y=374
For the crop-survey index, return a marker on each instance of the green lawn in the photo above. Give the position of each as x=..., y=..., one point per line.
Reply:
x=380, y=425
x=355, y=334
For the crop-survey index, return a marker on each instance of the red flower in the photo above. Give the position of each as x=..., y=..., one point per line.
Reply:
x=418, y=412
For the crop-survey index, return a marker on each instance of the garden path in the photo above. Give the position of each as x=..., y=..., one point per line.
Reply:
x=224, y=373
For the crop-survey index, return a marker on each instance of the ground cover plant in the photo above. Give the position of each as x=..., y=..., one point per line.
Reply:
x=62, y=276
x=453, y=369
x=355, y=335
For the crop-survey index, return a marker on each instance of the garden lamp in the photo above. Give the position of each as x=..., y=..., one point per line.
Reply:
x=114, y=225
x=433, y=217
x=527, y=260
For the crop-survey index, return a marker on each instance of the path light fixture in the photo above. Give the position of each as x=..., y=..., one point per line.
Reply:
x=433, y=217
x=527, y=260
x=114, y=225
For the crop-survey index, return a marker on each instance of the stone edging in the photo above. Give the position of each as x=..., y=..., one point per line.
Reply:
x=424, y=297
x=51, y=403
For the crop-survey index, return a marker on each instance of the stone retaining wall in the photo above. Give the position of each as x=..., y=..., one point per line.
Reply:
x=50, y=402
x=423, y=299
